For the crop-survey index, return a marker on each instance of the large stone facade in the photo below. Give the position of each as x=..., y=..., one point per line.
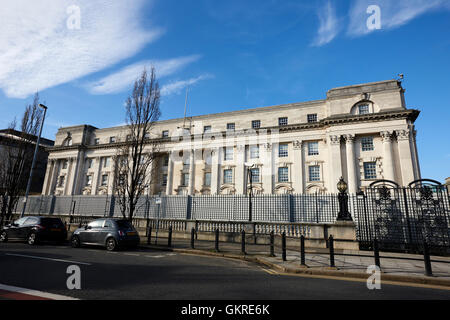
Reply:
x=361, y=132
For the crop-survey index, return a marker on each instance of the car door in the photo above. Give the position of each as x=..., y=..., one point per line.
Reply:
x=25, y=228
x=94, y=228
x=14, y=230
x=101, y=234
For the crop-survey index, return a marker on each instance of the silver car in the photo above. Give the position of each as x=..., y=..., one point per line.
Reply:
x=109, y=233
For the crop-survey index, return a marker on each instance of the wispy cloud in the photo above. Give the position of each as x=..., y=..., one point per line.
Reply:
x=39, y=51
x=393, y=13
x=124, y=78
x=329, y=25
x=178, y=86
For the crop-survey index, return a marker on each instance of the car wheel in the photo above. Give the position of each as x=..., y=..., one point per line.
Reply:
x=111, y=244
x=3, y=236
x=75, y=242
x=32, y=239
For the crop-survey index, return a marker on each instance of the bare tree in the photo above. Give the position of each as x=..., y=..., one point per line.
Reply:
x=16, y=157
x=134, y=157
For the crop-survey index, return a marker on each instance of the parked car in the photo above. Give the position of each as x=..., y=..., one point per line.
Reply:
x=109, y=233
x=34, y=230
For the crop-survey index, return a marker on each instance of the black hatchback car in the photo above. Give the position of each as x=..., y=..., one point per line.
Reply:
x=35, y=230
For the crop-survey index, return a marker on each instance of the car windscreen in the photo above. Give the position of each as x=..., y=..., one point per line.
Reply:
x=124, y=224
x=51, y=222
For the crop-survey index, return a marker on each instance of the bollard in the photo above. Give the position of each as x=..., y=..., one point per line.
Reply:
x=272, y=244
x=376, y=252
x=149, y=235
x=192, y=238
x=243, y=241
x=216, y=242
x=331, y=245
x=427, y=259
x=169, y=240
x=283, y=246
x=302, y=251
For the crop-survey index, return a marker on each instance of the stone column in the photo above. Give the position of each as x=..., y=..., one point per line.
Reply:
x=297, y=175
x=79, y=171
x=405, y=156
x=388, y=161
x=191, y=185
x=240, y=178
x=48, y=176
x=169, y=186
x=351, y=167
x=215, y=170
x=96, y=177
x=335, y=165
x=268, y=173
x=54, y=178
x=70, y=177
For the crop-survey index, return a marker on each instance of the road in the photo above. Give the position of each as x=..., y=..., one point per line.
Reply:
x=161, y=275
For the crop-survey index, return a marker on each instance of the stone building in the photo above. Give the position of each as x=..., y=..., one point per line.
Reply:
x=361, y=132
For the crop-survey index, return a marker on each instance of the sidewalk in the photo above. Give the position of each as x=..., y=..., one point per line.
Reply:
x=395, y=267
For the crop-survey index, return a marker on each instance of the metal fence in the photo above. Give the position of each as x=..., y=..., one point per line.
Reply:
x=313, y=208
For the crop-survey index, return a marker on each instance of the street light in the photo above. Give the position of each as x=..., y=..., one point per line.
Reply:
x=36, y=149
x=344, y=214
x=250, y=179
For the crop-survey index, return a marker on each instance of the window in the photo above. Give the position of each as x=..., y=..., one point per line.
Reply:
x=367, y=143
x=88, y=180
x=314, y=173
x=228, y=176
x=166, y=161
x=61, y=181
x=283, y=121
x=283, y=150
x=370, y=170
x=186, y=163
x=207, y=129
x=96, y=141
x=208, y=157
x=283, y=174
x=64, y=164
x=363, y=109
x=104, y=180
x=255, y=175
x=313, y=148
x=185, y=178
x=207, y=182
x=107, y=162
x=96, y=224
x=230, y=126
x=112, y=140
x=312, y=117
x=228, y=155
x=164, y=180
x=254, y=152
x=89, y=163
x=165, y=134
x=256, y=124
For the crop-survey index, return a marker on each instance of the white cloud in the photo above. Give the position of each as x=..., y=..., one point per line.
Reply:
x=329, y=25
x=393, y=13
x=125, y=78
x=39, y=51
x=178, y=86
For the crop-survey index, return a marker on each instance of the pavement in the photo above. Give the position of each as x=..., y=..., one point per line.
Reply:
x=351, y=264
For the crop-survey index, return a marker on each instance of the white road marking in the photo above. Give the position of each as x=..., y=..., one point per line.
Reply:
x=155, y=257
x=45, y=258
x=132, y=254
x=35, y=293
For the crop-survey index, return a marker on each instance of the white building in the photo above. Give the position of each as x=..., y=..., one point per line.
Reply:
x=361, y=132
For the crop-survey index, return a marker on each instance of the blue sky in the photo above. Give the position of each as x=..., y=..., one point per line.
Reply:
x=233, y=55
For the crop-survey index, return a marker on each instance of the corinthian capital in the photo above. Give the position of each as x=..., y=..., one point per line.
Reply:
x=386, y=135
x=297, y=144
x=335, y=140
x=402, y=134
x=349, y=138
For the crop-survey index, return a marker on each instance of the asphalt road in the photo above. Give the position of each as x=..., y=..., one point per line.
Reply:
x=156, y=275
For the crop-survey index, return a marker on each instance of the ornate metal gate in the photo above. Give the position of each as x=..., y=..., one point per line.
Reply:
x=401, y=218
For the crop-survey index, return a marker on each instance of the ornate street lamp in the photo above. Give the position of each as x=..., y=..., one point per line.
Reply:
x=344, y=214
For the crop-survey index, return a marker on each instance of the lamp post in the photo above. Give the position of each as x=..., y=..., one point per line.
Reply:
x=36, y=149
x=344, y=214
x=250, y=179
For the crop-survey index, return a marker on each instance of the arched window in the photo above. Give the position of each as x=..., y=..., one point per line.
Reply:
x=363, y=107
